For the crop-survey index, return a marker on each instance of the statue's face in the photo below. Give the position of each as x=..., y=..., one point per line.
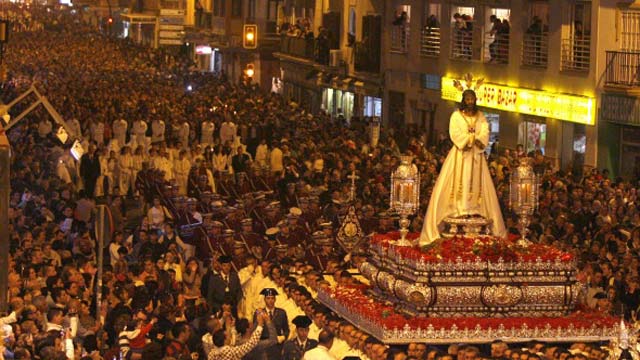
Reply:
x=469, y=100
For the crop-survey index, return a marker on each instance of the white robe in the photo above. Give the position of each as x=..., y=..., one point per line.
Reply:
x=464, y=186
x=119, y=129
x=206, y=133
x=157, y=131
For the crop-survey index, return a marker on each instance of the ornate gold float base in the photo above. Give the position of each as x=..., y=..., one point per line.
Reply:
x=491, y=288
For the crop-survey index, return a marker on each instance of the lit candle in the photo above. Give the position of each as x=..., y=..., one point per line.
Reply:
x=408, y=190
x=525, y=191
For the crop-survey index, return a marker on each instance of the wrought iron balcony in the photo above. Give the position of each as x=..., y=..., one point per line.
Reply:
x=623, y=68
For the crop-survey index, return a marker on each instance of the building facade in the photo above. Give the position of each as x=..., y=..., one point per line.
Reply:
x=334, y=63
x=544, y=65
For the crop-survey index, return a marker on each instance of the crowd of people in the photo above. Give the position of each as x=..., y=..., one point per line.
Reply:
x=224, y=206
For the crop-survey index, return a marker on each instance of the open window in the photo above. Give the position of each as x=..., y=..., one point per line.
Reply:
x=464, y=39
x=430, y=37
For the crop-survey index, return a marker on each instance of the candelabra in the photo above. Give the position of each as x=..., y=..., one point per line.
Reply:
x=523, y=199
x=405, y=194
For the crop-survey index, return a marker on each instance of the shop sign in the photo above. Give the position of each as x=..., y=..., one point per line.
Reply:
x=574, y=108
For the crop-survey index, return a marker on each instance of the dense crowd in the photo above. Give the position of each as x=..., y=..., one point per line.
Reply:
x=224, y=204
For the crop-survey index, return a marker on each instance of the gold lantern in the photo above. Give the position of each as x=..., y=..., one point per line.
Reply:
x=405, y=194
x=523, y=199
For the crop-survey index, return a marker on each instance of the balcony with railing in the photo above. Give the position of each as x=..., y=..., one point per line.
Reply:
x=400, y=38
x=535, y=49
x=366, y=58
x=463, y=46
x=623, y=69
x=496, y=48
x=576, y=53
x=430, y=42
x=298, y=47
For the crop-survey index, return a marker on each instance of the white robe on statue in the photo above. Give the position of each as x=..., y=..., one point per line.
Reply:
x=464, y=186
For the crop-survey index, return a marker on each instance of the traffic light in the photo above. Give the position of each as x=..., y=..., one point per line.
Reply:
x=249, y=71
x=110, y=20
x=250, y=38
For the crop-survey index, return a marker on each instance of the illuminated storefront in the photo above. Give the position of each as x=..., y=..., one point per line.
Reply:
x=573, y=108
x=537, y=116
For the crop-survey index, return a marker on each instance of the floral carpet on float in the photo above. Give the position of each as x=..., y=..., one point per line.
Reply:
x=468, y=290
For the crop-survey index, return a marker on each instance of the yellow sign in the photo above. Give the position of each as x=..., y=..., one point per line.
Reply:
x=574, y=108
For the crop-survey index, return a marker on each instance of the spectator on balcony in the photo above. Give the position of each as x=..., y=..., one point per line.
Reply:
x=401, y=19
x=324, y=41
x=502, y=38
x=467, y=35
x=432, y=22
x=580, y=46
x=495, y=28
x=534, y=37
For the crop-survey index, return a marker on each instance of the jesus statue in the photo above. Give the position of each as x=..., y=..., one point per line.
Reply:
x=464, y=187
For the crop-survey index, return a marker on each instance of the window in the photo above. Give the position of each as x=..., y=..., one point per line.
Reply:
x=219, y=8
x=372, y=106
x=400, y=30
x=236, y=8
x=351, y=36
x=431, y=81
x=251, y=9
x=576, y=45
x=430, y=39
x=535, y=44
x=630, y=30
x=496, y=38
x=272, y=16
x=462, y=33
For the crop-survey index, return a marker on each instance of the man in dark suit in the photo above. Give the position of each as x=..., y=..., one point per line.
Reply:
x=240, y=162
x=90, y=170
x=294, y=349
x=279, y=318
x=224, y=283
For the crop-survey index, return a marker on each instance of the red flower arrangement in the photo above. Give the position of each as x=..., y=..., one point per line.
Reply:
x=472, y=249
x=384, y=315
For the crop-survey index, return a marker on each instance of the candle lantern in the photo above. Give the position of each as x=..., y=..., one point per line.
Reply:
x=405, y=194
x=523, y=199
